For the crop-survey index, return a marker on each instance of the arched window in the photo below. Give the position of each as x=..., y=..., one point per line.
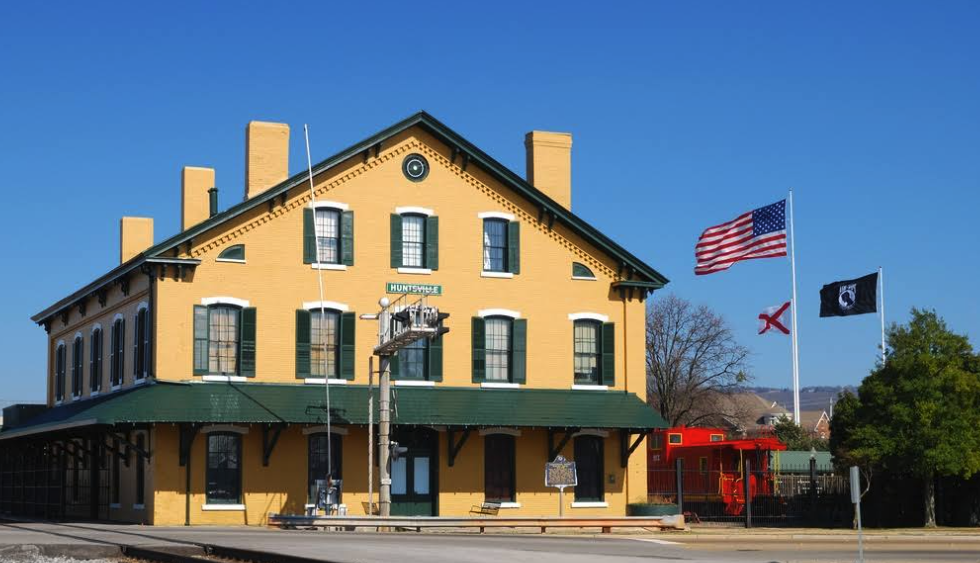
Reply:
x=60, y=363
x=95, y=360
x=117, y=346
x=141, y=343
x=76, y=366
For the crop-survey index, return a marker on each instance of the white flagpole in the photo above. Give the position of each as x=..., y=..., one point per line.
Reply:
x=881, y=280
x=796, y=349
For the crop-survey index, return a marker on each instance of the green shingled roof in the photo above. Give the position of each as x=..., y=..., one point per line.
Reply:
x=166, y=402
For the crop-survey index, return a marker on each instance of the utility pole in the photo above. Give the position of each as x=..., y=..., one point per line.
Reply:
x=384, y=429
x=371, y=436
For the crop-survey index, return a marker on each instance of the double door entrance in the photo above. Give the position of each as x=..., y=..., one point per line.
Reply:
x=415, y=474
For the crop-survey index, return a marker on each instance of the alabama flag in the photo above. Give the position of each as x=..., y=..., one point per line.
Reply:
x=774, y=318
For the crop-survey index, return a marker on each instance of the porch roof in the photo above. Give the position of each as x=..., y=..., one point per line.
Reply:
x=264, y=403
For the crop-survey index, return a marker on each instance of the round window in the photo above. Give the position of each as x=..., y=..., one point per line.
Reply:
x=415, y=167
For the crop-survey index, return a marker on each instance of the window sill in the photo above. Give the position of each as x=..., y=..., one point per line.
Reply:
x=230, y=260
x=414, y=383
x=322, y=266
x=93, y=394
x=139, y=506
x=141, y=380
x=499, y=385
x=590, y=504
x=227, y=507
x=115, y=506
x=583, y=278
x=501, y=275
x=589, y=387
x=321, y=381
x=418, y=271
x=237, y=378
x=509, y=504
x=115, y=387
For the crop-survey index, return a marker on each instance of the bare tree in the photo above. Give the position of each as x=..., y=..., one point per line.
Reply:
x=692, y=359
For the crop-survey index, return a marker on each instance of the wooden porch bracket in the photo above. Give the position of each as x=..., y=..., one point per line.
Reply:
x=269, y=443
x=554, y=450
x=625, y=448
x=187, y=434
x=455, y=447
x=130, y=445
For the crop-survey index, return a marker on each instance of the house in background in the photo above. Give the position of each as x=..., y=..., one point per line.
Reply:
x=186, y=385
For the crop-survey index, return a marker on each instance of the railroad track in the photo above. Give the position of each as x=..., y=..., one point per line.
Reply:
x=213, y=554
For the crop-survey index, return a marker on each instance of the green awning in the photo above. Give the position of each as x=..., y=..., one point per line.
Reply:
x=210, y=403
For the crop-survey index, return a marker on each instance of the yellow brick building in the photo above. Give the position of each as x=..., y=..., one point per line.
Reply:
x=188, y=384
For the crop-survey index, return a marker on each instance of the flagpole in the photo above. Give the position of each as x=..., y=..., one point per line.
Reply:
x=796, y=349
x=881, y=280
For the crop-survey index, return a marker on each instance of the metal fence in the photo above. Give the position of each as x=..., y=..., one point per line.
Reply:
x=791, y=496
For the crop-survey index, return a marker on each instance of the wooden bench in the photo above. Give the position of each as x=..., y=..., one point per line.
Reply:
x=485, y=509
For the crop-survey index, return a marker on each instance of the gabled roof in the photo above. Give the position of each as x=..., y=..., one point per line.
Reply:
x=212, y=403
x=637, y=273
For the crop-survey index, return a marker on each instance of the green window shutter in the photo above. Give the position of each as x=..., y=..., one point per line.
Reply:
x=347, y=238
x=479, y=333
x=514, y=247
x=608, y=373
x=309, y=237
x=432, y=243
x=396, y=240
x=435, y=359
x=302, y=343
x=122, y=350
x=136, y=346
x=519, y=352
x=200, y=340
x=247, y=343
x=347, y=357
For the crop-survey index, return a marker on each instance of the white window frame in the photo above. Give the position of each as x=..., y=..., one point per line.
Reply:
x=122, y=380
x=225, y=300
x=483, y=313
x=60, y=344
x=496, y=215
x=337, y=206
x=78, y=335
x=414, y=211
x=317, y=305
x=588, y=316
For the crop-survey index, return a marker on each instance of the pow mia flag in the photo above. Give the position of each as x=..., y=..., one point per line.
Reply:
x=850, y=297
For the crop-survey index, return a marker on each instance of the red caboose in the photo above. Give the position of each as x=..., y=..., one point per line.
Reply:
x=713, y=467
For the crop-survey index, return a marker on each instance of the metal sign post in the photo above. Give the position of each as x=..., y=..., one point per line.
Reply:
x=560, y=473
x=856, y=500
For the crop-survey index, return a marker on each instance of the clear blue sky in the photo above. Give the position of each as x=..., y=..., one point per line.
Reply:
x=684, y=114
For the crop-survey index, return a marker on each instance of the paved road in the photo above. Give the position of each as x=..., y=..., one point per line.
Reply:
x=347, y=547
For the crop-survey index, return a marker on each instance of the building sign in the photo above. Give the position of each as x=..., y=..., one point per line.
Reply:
x=413, y=288
x=560, y=473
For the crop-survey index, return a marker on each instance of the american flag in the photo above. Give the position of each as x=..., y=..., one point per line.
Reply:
x=760, y=233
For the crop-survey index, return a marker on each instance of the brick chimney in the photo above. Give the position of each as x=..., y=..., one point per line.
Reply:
x=549, y=164
x=194, y=197
x=266, y=156
x=135, y=236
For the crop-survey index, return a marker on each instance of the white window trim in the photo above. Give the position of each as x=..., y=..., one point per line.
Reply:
x=414, y=383
x=226, y=507
x=118, y=317
x=584, y=278
x=586, y=316
x=591, y=432
x=232, y=378
x=139, y=506
x=114, y=505
x=322, y=429
x=509, y=504
x=77, y=335
x=329, y=204
x=495, y=215
x=317, y=305
x=328, y=266
x=141, y=380
x=230, y=260
x=508, y=431
x=500, y=275
x=95, y=327
x=498, y=313
x=582, y=387
x=499, y=385
x=93, y=394
x=115, y=387
x=321, y=381
x=142, y=305
x=225, y=300
x=590, y=504
x=414, y=210
x=224, y=428
x=417, y=271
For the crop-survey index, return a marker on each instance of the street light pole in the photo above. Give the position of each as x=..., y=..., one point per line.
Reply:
x=384, y=429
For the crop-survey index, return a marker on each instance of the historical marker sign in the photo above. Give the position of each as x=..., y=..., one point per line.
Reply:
x=413, y=288
x=560, y=473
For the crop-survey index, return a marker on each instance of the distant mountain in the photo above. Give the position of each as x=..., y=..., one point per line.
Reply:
x=811, y=398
